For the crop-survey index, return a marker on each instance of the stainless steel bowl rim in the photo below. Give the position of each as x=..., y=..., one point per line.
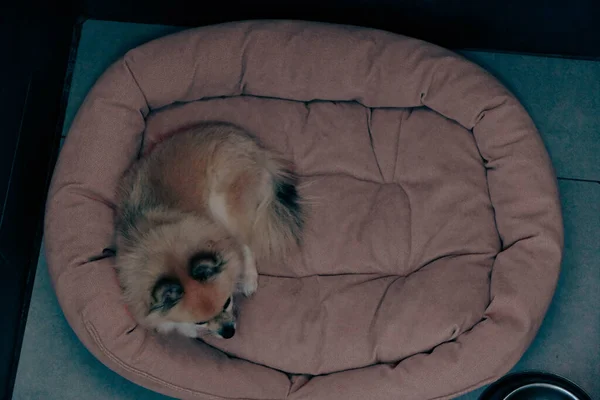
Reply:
x=510, y=385
x=542, y=385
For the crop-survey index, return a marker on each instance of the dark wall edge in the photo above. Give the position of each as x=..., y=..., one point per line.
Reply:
x=32, y=109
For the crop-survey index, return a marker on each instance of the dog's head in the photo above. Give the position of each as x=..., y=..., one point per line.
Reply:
x=179, y=273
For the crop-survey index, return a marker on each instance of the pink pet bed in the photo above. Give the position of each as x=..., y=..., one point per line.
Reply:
x=433, y=239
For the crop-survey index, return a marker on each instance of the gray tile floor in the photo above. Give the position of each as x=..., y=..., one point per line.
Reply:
x=563, y=97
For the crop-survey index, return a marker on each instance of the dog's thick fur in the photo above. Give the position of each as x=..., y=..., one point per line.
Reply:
x=193, y=218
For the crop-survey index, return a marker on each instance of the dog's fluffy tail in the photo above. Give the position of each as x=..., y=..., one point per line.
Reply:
x=279, y=219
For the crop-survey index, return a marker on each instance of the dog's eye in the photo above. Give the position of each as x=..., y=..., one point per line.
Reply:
x=227, y=303
x=204, y=272
x=205, y=265
x=166, y=293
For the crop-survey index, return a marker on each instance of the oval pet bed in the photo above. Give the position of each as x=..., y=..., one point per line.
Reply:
x=433, y=238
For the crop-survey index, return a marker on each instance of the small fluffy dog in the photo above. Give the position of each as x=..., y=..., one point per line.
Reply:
x=193, y=218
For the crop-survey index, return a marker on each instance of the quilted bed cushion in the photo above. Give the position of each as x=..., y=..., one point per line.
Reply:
x=434, y=234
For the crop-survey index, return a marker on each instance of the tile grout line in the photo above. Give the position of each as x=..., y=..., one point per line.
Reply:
x=578, y=180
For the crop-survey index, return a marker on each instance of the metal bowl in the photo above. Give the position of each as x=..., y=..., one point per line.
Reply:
x=533, y=386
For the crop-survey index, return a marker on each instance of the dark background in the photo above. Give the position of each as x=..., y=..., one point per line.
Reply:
x=38, y=41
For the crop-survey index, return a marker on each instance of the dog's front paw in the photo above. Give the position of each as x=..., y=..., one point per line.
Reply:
x=250, y=284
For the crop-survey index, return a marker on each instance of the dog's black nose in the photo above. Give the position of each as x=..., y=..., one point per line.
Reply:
x=227, y=331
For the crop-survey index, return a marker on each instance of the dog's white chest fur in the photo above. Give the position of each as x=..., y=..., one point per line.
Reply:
x=185, y=328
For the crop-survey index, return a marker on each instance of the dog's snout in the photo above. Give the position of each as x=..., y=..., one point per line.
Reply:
x=227, y=331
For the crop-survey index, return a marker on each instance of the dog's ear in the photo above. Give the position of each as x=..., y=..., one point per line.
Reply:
x=205, y=265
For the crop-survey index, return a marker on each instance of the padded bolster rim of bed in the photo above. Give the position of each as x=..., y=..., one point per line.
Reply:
x=346, y=64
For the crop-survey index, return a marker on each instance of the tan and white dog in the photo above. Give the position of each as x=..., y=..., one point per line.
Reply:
x=193, y=218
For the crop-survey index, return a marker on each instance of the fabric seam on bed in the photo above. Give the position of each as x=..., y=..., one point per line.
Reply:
x=96, y=337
